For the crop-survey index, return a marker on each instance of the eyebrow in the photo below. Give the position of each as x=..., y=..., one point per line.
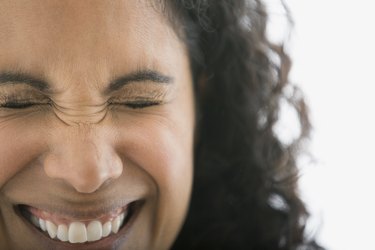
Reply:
x=139, y=76
x=22, y=78
x=116, y=84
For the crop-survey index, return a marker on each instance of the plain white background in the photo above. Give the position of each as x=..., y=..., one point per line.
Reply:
x=333, y=51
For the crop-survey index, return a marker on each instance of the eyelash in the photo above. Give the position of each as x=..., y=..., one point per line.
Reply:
x=20, y=104
x=138, y=104
x=13, y=104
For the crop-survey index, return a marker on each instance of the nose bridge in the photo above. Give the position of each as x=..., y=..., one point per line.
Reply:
x=82, y=158
x=81, y=116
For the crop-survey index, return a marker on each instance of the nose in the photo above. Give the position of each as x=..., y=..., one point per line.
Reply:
x=86, y=163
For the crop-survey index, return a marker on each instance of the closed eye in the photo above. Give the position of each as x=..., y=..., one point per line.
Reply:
x=20, y=104
x=138, y=104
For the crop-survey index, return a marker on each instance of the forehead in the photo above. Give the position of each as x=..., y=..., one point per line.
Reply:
x=97, y=36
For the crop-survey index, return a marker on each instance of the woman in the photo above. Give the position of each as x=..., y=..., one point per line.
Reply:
x=106, y=106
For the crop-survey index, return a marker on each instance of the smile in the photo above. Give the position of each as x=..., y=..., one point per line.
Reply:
x=66, y=228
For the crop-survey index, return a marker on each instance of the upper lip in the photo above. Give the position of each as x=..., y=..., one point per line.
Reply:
x=80, y=212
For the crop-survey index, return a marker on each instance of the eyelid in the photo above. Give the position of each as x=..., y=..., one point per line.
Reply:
x=142, y=91
x=16, y=99
x=22, y=95
x=22, y=104
x=22, y=101
x=137, y=104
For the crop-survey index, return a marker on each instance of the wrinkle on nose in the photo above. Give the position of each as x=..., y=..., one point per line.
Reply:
x=90, y=114
x=84, y=165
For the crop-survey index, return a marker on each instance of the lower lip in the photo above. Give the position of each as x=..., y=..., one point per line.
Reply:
x=109, y=242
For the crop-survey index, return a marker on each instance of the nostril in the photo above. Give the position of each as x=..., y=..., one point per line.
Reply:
x=91, y=179
x=86, y=184
x=116, y=171
x=84, y=178
x=84, y=165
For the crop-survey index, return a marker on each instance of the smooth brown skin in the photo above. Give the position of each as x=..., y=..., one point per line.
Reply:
x=81, y=153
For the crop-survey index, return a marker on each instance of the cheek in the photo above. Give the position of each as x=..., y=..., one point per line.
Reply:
x=21, y=142
x=161, y=143
x=163, y=152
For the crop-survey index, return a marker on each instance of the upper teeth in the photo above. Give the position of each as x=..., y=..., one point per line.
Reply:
x=79, y=232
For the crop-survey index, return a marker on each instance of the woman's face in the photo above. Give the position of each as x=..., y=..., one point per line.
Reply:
x=96, y=126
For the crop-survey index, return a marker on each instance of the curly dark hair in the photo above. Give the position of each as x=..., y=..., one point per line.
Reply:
x=245, y=182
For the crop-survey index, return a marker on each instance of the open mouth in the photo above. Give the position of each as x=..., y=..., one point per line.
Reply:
x=88, y=230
